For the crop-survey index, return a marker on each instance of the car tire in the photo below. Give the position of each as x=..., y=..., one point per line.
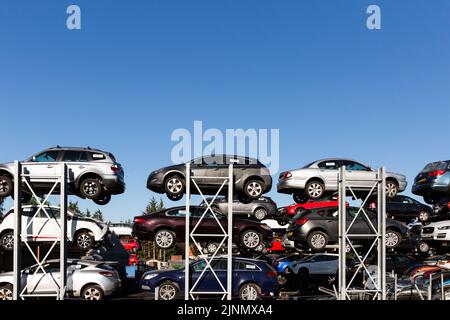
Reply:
x=423, y=247
x=91, y=188
x=282, y=222
x=393, y=239
x=300, y=198
x=102, y=199
x=211, y=247
x=7, y=240
x=391, y=189
x=424, y=216
x=251, y=239
x=250, y=291
x=165, y=239
x=317, y=240
x=6, y=292
x=92, y=292
x=254, y=188
x=168, y=291
x=260, y=214
x=243, y=198
x=174, y=186
x=6, y=186
x=84, y=240
x=315, y=189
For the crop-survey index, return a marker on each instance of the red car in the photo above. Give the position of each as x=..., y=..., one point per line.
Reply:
x=130, y=245
x=133, y=260
x=293, y=209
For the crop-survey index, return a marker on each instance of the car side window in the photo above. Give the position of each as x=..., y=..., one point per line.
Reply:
x=350, y=165
x=328, y=165
x=199, y=266
x=246, y=266
x=47, y=156
x=74, y=156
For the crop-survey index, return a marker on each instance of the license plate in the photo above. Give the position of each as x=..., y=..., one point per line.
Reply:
x=427, y=235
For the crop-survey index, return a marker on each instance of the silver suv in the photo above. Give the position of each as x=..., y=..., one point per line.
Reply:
x=92, y=173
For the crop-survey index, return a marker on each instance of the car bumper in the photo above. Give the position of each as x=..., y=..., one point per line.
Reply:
x=440, y=235
x=114, y=184
x=155, y=183
x=289, y=185
x=113, y=287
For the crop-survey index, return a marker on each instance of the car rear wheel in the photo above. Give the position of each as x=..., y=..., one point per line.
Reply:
x=317, y=240
x=91, y=188
x=254, y=188
x=315, y=189
x=423, y=247
x=391, y=189
x=6, y=292
x=7, y=240
x=260, y=214
x=168, y=291
x=250, y=291
x=165, y=239
x=6, y=186
x=84, y=240
x=92, y=292
x=424, y=216
x=174, y=186
x=211, y=247
x=251, y=239
x=393, y=239
x=102, y=199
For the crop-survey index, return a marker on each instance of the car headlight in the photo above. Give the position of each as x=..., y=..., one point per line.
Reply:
x=150, y=276
x=444, y=228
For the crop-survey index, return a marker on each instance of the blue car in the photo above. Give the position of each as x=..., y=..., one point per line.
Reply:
x=252, y=279
x=283, y=262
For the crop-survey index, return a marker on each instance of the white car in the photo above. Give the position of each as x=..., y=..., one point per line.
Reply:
x=436, y=233
x=83, y=232
x=120, y=229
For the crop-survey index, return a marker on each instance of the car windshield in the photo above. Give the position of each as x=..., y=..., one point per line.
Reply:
x=440, y=165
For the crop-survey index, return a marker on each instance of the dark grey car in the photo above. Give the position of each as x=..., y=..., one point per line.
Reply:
x=261, y=208
x=251, y=178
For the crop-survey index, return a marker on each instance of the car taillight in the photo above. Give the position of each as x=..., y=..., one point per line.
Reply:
x=107, y=274
x=302, y=221
x=115, y=168
x=436, y=173
x=448, y=206
x=287, y=175
x=271, y=274
x=139, y=220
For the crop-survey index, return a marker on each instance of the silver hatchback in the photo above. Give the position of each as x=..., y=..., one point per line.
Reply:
x=319, y=178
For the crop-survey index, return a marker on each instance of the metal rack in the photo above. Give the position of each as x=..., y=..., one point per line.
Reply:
x=22, y=183
x=225, y=235
x=377, y=236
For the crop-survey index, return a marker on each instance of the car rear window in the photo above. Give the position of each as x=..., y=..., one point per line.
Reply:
x=440, y=165
x=96, y=156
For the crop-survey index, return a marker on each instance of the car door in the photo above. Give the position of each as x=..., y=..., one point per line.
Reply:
x=361, y=224
x=359, y=175
x=394, y=207
x=328, y=172
x=28, y=221
x=207, y=282
x=77, y=163
x=41, y=166
x=42, y=282
x=49, y=229
x=208, y=224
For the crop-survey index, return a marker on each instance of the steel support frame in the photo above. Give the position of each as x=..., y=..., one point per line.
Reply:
x=21, y=183
x=190, y=235
x=346, y=238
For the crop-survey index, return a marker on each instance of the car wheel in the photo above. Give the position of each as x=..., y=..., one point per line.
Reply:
x=175, y=198
x=300, y=198
x=168, y=291
x=391, y=189
x=260, y=214
x=423, y=247
x=424, y=216
x=6, y=186
x=254, y=188
x=7, y=241
x=92, y=292
x=84, y=240
x=174, y=186
x=211, y=247
x=165, y=239
x=282, y=222
x=251, y=239
x=249, y=291
x=317, y=240
x=91, y=188
x=315, y=189
x=6, y=292
x=102, y=200
x=393, y=239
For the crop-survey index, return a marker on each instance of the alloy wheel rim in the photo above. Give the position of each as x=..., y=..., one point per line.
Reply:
x=260, y=214
x=174, y=185
x=423, y=247
x=315, y=190
x=164, y=239
x=8, y=241
x=318, y=241
x=92, y=294
x=251, y=239
x=249, y=293
x=390, y=189
x=254, y=189
x=391, y=239
x=6, y=294
x=84, y=241
x=211, y=248
x=90, y=188
x=423, y=216
x=167, y=292
x=4, y=187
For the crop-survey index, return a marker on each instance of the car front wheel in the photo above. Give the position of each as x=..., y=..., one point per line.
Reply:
x=424, y=216
x=84, y=240
x=251, y=239
x=315, y=189
x=254, y=188
x=168, y=291
x=250, y=291
x=165, y=239
x=91, y=188
x=391, y=189
x=260, y=214
x=6, y=292
x=174, y=187
x=393, y=239
x=7, y=241
x=317, y=240
x=6, y=186
x=92, y=292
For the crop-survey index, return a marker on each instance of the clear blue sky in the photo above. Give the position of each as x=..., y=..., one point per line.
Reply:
x=140, y=69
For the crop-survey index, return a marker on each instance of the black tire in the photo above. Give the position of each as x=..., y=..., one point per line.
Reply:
x=92, y=292
x=317, y=240
x=243, y=198
x=175, y=198
x=102, y=199
x=211, y=247
x=249, y=291
x=251, y=239
x=168, y=291
x=315, y=189
x=91, y=188
x=424, y=216
x=165, y=239
x=282, y=222
x=6, y=292
x=423, y=247
x=7, y=240
x=393, y=239
x=174, y=186
x=84, y=240
x=260, y=214
x=6, y=186
x=300, y=198
x=391, y=189
x=254, y=188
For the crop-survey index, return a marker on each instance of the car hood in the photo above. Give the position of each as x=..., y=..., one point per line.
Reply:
x=177, y=167
x=438, y=224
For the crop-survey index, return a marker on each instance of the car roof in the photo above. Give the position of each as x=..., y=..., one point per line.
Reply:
x=238, y=258
x=336, y=159
x=76, y=149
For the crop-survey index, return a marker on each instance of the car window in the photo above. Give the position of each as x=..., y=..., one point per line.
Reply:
x=29, y=212
x=177, y=213
x=199, y=266
x=246, y=266
x=350, y=165
x=330, y=165
x=406, y=200
x=47, y=156
x=440, y=165
x=96, y=156
x=52, y=212
x=74, y=156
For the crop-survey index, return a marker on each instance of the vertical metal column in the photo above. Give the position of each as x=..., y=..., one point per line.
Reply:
x=187, y=238
x=230, y=233
x=342, y=238
x=17, y=255
x=381, y=248
x=63, y=234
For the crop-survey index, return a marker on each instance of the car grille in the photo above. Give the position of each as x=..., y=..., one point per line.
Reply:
x=428, y=230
